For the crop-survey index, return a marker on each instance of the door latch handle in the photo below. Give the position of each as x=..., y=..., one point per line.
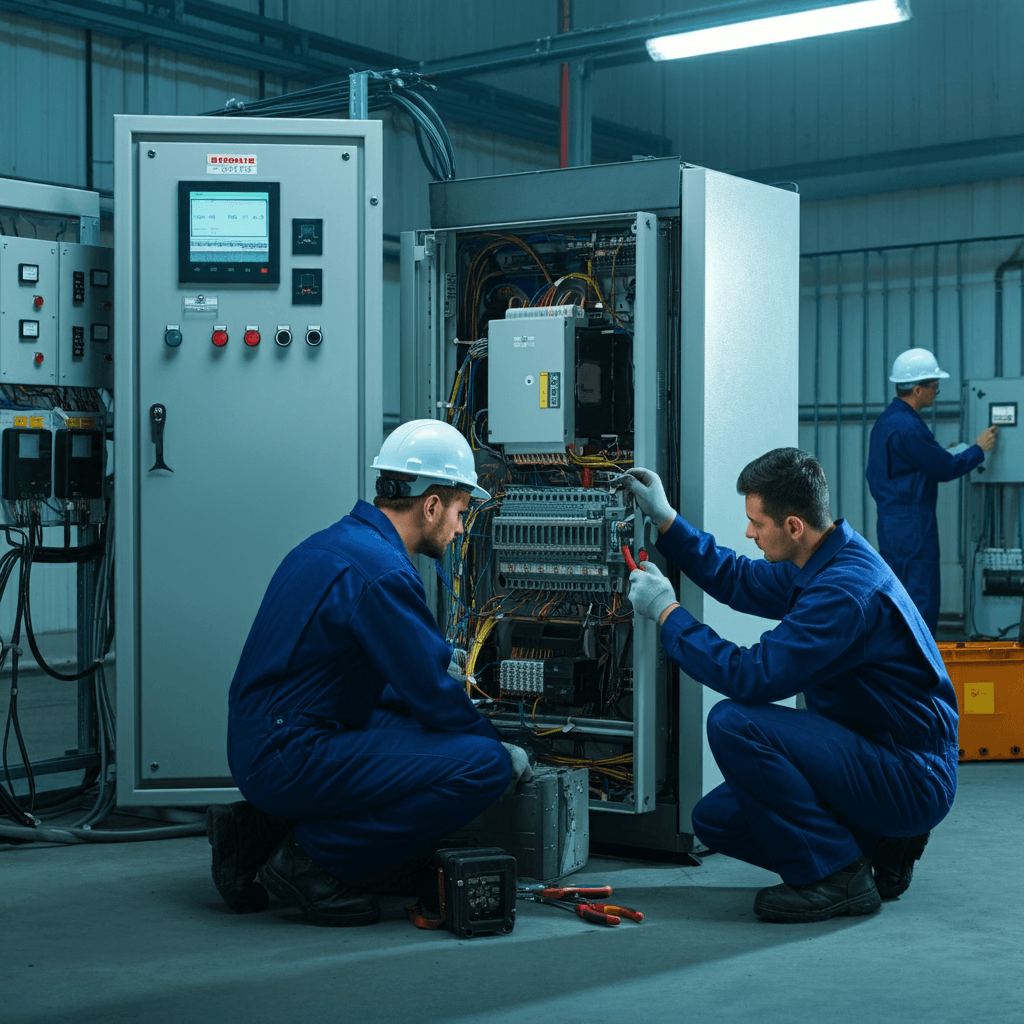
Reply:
x=157, y=419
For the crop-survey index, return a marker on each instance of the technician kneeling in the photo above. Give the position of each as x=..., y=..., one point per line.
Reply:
x=852, y=785
x=344, y=722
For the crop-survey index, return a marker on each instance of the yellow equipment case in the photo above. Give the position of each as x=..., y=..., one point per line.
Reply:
x=989, y=681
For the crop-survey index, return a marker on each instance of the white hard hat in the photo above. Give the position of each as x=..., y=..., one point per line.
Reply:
x=916, y=364
x=433, y=452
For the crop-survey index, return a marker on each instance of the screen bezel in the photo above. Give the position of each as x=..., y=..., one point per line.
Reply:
x=229, y=272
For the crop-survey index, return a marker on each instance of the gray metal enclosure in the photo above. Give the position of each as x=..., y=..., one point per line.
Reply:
x=267, y=396
x=712, y=301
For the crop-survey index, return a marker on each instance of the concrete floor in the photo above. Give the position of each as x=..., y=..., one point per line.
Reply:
x=136, y=934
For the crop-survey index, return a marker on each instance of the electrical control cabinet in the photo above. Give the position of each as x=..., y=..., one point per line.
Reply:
x=998, y=401
x=246, y=419
x=85, y=321
x=662, y=295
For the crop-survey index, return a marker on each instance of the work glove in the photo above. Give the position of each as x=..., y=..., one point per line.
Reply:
x=457, y=665
x=649, y=591
x=521, y=770
x=649, y=492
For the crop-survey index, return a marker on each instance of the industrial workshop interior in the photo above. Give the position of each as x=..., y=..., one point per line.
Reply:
x=511, y=513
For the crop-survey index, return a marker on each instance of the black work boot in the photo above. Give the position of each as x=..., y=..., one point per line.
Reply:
x=292, y=876
x=893, y=864
x=242, y=837
x=848, y=891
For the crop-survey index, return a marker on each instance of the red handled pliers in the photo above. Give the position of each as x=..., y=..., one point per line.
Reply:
x=628, y=556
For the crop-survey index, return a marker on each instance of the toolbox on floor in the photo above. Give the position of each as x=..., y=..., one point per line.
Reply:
x=543, y=823
x=988, y=677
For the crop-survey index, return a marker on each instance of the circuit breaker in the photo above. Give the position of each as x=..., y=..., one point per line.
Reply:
x=999, y=402
x=249, y=264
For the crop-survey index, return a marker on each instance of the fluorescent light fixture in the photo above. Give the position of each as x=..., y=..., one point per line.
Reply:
x=779, y=29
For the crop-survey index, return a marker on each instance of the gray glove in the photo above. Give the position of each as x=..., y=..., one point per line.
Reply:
x=649, y=591
x=521, y=770
x=649, y=492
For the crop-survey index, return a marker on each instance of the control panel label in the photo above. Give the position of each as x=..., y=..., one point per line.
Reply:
x=550, y=390
x=36, y=422
x=230, y=163
x=201, y=305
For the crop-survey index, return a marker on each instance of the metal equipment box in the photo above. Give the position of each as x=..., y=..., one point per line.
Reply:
x=543, y=823
x=989, y=682
x=533, y=358
x=998, y=401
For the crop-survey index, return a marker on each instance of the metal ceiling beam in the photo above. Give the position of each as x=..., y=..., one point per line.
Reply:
x=621, y=43
x=309, y=56
x=895, y=170
x=309, y=62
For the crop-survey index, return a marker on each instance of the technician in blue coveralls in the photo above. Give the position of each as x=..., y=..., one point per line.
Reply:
x=839, y=798
x=352, y=744
x=905, y=467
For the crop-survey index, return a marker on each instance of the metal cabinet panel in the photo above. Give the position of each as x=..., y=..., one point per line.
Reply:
x=265, y=442
x=28, y=311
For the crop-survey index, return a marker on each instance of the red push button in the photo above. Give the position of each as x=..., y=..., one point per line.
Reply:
x=39, y=358
x=252, y=338
x=220, y=338
x=38, y=300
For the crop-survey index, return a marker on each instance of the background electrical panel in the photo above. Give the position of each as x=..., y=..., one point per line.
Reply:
x=246, y=422
x=997, y=401
x=29, y=293
x=85, y=322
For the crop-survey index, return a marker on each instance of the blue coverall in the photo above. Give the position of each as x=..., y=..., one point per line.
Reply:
x=342, y=714
x=905, y=466
x=875, y=752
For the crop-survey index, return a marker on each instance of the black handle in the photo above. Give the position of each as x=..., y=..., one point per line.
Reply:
x=157, y=419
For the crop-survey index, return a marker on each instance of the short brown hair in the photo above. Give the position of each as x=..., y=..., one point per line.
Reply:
x=789, y=482
x=448, y=495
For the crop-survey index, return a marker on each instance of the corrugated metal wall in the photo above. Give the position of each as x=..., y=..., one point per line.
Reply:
x=949, y=75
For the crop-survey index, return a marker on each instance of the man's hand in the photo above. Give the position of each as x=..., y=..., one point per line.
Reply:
x=650, y=593
x=987, y=439
x=649, y=492
x=521, y=770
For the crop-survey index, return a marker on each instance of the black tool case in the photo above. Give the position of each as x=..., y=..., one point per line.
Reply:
x=472, y=890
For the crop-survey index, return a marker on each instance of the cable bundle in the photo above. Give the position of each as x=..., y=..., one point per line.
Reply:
x=403, y=90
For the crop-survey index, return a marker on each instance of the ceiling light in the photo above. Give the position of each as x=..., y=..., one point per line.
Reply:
x=779, y=29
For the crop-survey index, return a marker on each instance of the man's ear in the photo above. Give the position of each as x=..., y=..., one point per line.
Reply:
x=431, y=507
x=796, y=526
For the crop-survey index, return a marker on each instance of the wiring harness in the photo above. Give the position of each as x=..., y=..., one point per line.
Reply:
x=400, y=89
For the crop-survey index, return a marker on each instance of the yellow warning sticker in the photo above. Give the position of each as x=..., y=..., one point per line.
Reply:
x=74, y=422
x=979, y=698
x=21, y=421
x=543, y=390
x=35, y=421
x=88, y=422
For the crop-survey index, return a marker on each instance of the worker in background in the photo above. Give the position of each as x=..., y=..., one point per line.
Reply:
x=837, y=798
x=353, y=745
x=905, y=466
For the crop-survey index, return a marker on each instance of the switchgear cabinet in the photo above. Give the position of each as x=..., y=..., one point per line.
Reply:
x=573, y=323
x=248, y=403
